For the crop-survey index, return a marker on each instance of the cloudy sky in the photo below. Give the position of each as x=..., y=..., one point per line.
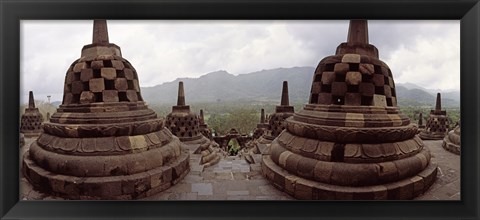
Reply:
x=426, y=53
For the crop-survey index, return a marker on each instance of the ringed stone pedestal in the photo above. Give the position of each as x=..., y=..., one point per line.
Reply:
x=186, y=126
x=452, y=141
x=32, y=119
x=104, y=142
x=437, y=123
x=350, y=141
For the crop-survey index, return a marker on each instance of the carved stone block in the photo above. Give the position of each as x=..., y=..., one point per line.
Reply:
x=108, y=73
x=97, y=85
x=110, y=96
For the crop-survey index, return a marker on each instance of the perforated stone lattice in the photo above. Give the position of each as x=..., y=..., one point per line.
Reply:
x=31, y=122
x=101, y=79
x=353, y=79
x=437, y=124
x=277, y=123
x=183, y=126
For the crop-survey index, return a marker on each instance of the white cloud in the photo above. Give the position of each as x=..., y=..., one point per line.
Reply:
x=422, y=52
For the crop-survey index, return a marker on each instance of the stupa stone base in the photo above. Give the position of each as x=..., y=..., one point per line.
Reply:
x=452, y=142
x=129, y=176
x=431, y=135
x=306, y=189
x=31, y=134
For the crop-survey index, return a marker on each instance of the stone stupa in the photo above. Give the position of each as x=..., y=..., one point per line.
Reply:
x=452, y=142
x=276, y=122
x=186, y=126
x=103, y=142
x=421, y=126
x=204, y=127
x=350, y=141
x=261, y=127
x=437, y=123
x=32, y=119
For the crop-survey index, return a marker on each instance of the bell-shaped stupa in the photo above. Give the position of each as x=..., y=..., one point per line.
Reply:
x=103, y=142
x=350, y=141
x=261, y=127
x=276, y=122
x=452, y=142
x=32, y=119
x=186, y=126
x=437, y=123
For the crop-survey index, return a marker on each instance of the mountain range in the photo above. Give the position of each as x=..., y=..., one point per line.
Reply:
x=266, y=86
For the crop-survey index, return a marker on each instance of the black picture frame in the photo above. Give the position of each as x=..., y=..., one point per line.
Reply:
x=468, y=11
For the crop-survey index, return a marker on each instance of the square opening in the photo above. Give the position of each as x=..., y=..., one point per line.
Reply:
x=314, y=98
x=379, y=90
x=122, y=97
x=352, y=88
x=98, y=96
x=109, y=85
x=340, y=77
x=338, y=100
x=107, y=63
x=367, y=100
x=326, y=88
x=329, y=66
x=354, y=66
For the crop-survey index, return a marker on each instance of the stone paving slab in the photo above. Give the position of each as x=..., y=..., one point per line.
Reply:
x=234, y=179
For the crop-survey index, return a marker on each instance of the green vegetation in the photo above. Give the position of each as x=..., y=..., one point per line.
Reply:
x=453, y=114
x=233, y=146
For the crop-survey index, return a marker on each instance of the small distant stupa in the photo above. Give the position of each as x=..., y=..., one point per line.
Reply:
x=186, y=126
x=276, y=122
x=452, y=142
x=261, y=127
x=437, y=123
x=32, y=119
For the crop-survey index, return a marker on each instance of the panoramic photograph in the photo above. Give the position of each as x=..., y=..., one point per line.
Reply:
x=240, y=110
